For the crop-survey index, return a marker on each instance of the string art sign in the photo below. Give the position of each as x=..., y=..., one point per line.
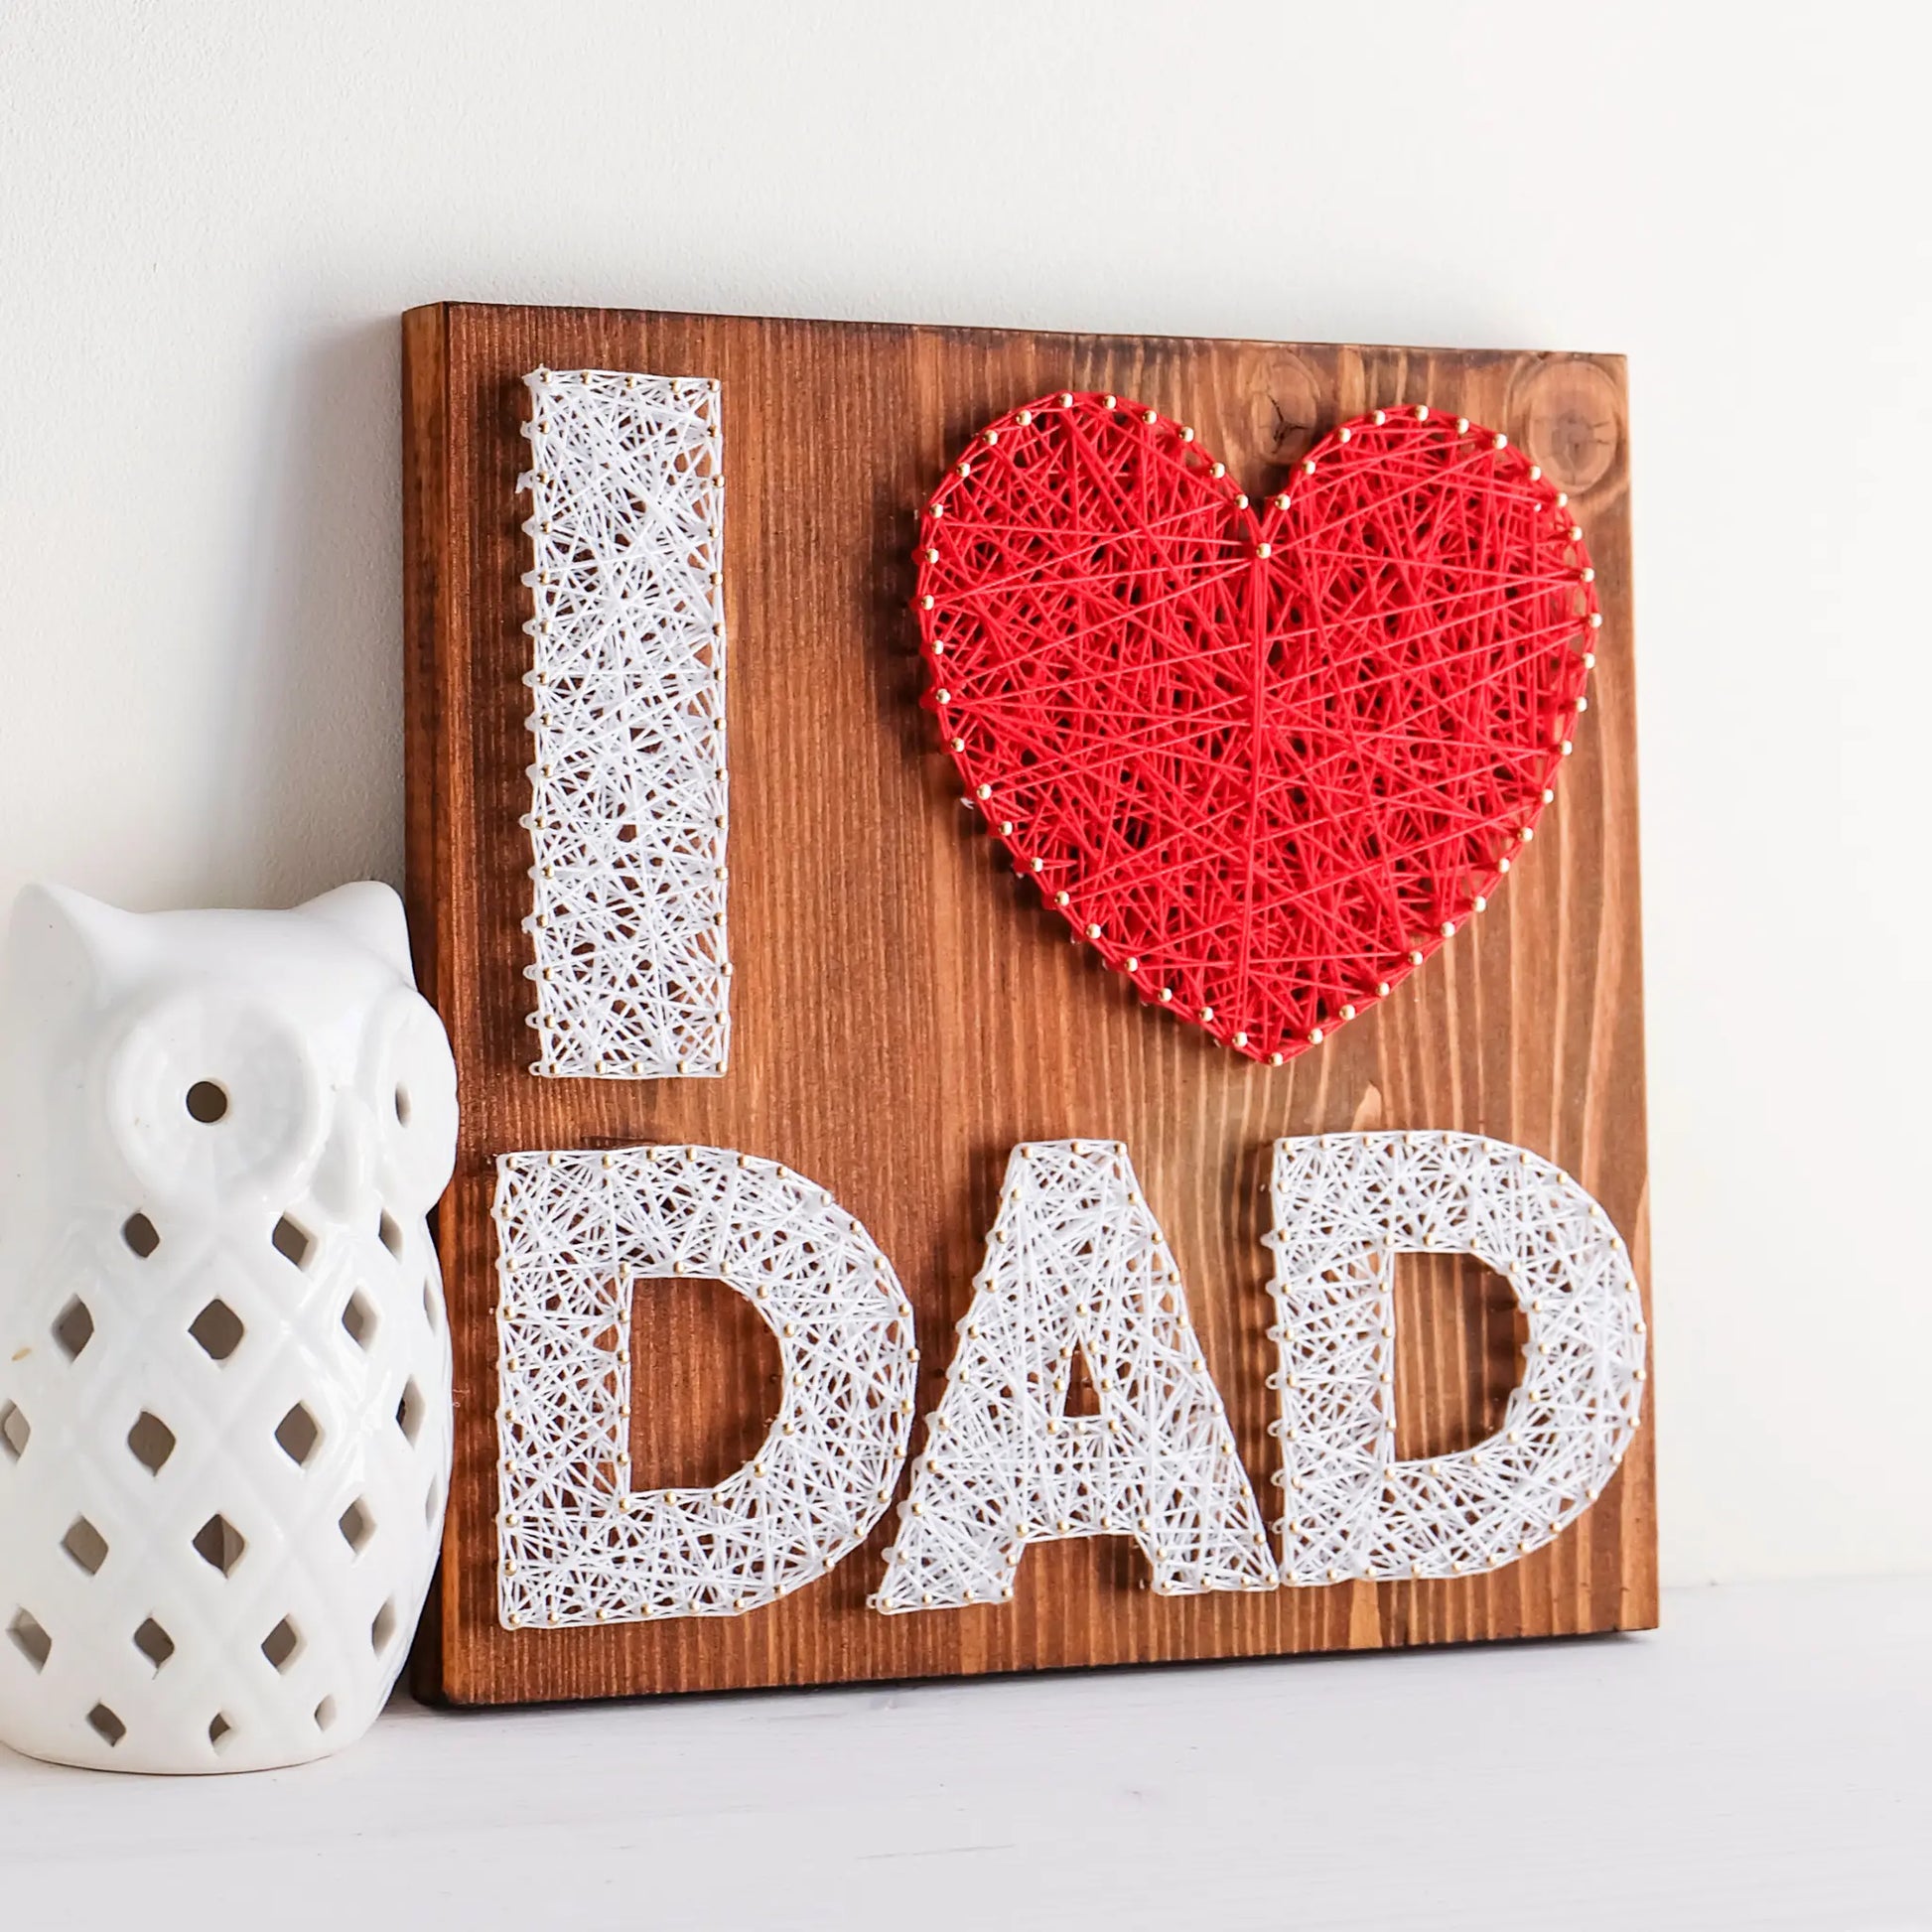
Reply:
x=895, y=1291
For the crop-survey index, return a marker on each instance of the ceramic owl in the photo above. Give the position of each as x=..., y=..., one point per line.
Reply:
x=224, y=1370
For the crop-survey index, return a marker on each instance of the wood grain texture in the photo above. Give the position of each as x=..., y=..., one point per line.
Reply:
x=904, y=1010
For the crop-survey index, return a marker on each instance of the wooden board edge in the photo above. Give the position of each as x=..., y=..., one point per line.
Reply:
x=1643, y=1604
x=426, y=616
x=458, y=315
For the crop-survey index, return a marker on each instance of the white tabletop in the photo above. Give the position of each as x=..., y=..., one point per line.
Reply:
x=1764, y=1760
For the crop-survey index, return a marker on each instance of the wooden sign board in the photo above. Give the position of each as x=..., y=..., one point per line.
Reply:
x=905, y=1012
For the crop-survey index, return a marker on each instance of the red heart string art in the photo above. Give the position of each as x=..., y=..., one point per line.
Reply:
x=1267, y=762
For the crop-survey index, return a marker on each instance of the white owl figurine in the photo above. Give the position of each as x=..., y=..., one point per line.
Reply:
x=224, y=1370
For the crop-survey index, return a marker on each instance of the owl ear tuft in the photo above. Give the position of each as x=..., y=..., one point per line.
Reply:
x=371, y=914
x=59, y=944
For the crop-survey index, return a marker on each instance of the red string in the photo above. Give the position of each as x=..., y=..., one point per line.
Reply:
x=1265, y=761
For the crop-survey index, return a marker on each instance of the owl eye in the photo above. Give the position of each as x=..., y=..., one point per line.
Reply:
x=206, y=1095
x=208, y=1102
x=411, y=1081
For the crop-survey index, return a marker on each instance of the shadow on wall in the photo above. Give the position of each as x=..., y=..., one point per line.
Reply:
x=308, y=792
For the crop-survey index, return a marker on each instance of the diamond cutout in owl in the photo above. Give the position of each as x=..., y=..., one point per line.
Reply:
x=282, y=1647
x=154, y=1643
x=298, y=1433
x=356, y=1525
x=221, y=1545
x=359, y=1320
x=30, y=1639
x=219, y=1331
x=410, y=1412
x=86, y=1545
x=73, y=1329
x=151, y=1442
x=292, y=1241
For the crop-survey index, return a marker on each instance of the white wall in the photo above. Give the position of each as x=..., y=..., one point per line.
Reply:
x=211, y=214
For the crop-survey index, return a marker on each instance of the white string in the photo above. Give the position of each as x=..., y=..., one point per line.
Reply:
x=1344, y=1206
x=1075, y=1260
x=627, y=816
x=575, y=1232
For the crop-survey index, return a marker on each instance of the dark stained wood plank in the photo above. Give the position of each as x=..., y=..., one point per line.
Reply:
x=905, y=1011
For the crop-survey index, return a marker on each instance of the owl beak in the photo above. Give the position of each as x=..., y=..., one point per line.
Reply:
x=345, y=1176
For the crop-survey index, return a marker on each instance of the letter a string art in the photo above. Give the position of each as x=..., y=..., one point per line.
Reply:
x=1266, y=757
